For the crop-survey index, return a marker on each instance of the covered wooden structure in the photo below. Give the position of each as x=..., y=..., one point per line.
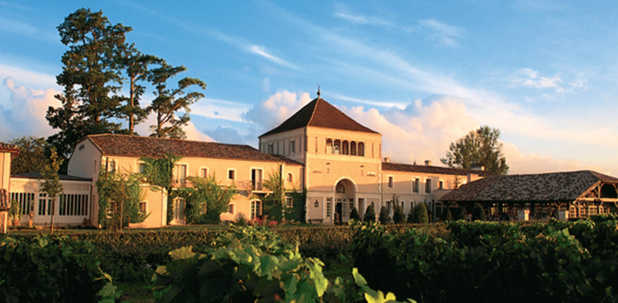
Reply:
x=563, y=195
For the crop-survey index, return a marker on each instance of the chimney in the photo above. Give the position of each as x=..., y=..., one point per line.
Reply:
x=427, y=162
x=387, y=160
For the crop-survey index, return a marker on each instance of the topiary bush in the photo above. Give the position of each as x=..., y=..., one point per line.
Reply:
x=384, y=217
x=354, y=214
x=398, y=216
x=370, y=214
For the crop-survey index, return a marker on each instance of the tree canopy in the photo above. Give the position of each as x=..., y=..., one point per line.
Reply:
x=478, y=148
x=104, y=79
x=32, y=155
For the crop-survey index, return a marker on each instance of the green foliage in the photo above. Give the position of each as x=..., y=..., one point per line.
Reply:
x=478, y=213
x=370, y=214
x=447, y=215
x=14, y=212
x=51, y=182
x=354, y=214
x=411, y=216
x=159, y=172
x=168, y=102
x=384, y=216
x=125, y=191
x=90, y=78
x=398, y=215
x=43, y=269
x=205, y=199
x=420, y=214
x=250, y=264
x=479, y=147
x=31, y=157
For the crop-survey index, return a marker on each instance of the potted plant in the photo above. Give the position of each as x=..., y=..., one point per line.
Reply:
x=14, y=213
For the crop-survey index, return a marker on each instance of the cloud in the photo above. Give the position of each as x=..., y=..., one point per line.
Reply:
x=220, y=109
x=192, y=133
x=443, y=33
x=274, y=110
x=531, y=163
x=24, y=115
x=23, y=29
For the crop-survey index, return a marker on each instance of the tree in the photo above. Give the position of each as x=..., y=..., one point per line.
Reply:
x=90, y=77
x=384, y=217
x=370, y=214
x=354, y=214
x=31, y=157
x=399, y=216
x=206, y=200
x=136, y=66
x=411, y=216
x=421, y=214
x=51, y=184
x=168, y=102
x=119, y=198
x=159, y=172
x=478, y=148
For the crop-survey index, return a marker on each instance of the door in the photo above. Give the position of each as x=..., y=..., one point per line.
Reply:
x=179, y=210
x=338, y=210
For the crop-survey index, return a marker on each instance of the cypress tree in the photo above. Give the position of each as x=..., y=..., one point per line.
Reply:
x=370, y=214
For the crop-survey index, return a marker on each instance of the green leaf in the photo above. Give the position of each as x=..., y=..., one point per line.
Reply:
x=182, y=253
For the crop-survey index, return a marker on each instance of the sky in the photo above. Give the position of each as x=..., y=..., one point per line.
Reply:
x=422, y=73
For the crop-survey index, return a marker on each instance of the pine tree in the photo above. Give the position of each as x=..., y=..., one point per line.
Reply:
x=90, y=78
x=370, y=214
x=169, y=102
x=384, y=217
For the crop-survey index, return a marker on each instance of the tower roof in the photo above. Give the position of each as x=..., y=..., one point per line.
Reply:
x=319, y=113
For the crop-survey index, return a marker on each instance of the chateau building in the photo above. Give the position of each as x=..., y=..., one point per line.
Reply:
x=320, y=150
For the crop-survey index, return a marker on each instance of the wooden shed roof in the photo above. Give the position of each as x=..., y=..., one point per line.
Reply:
x=547, y=187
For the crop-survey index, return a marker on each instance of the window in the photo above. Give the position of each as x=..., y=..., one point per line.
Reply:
x=290, y=177
x=141, y=168
x=316, y=204
x=44, y=204
x=256, y=179
x=271, y=148
x=440, y=184
x=329, y=146
x=292, y=147
x=390, y=181
x=26, y=202
x=142, y=207
x=72, y=205
x=340, y=188
x=230, y=208
x=180, y=174
x=361, y=149
x=427, y=186
x=328, y=206
x=288, y=202
x=353, y=148
x=231, y=174
x=417, y=185
x=345, y=148
x=204, y=172
x=337, y=147
x=256, y=209
x=111, y=165
x=592, y=210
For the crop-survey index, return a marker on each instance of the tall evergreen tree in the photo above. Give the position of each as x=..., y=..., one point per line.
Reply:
x=169, y=102
x=137, y=69
x=479, y=147
x=31, y=157
x=89, y=76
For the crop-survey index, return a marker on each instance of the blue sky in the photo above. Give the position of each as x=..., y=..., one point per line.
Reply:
x=421, y=73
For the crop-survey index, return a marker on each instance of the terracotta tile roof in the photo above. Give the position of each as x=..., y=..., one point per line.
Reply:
x=37, y=175
x=319, y=113
x=387, y=166
x=548, y=187
x=136, y=146
x=9, y=147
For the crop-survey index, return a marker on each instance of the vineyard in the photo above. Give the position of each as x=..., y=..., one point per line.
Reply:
x=455, y=262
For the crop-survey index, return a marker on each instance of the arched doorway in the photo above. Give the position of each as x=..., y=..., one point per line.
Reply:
x=345, y=191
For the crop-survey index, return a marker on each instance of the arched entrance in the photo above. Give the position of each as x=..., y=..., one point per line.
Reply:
x=344, y=200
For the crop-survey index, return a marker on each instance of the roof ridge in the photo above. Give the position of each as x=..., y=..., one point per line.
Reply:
x=314, y=109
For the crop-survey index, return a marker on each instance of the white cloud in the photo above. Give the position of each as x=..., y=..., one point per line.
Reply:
x=274, y=110
x=24, y=115
x=220, y=109
x=192, y=133
x=444, y=33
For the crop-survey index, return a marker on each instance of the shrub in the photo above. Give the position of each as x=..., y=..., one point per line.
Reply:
x=478, y=213
x=354, y=214
x=398, y=216
x=411, y=216
x=447, y=215
x=241, y=220
x=370, y=214
x=420, y=213
x=384, y=217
